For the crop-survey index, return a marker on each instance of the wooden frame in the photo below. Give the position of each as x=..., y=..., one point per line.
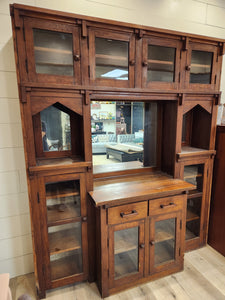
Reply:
x=163, y=42
x=124, y=37
x=29, y=25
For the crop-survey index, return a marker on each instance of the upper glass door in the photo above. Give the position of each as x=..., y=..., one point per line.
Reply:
x=201, y=67
x=161, y=63
x=53, y=52
x=111, y=58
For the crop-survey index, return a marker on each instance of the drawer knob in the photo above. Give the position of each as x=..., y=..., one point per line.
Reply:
x=127, y=215
x=167, y=205
x=188, y=68
x=84, y=219
x=152, y=243
x=142, y=246
x=132, y=62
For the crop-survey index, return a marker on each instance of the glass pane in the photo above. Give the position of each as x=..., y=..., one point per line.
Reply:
x=165, y=236
x=53, y=52
x=111, y=59
x=193, y=217
x=161, y=63
x=118, y=134
x=194, y=175
x=55, y=127
x=126, y=252
x=65, y=250
x=62, y=200
x=201, y=67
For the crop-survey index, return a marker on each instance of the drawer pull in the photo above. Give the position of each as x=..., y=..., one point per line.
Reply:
x=166, y=205
x=133, y=213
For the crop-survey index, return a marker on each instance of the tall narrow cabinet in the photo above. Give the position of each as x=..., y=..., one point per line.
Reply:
x=66, y=65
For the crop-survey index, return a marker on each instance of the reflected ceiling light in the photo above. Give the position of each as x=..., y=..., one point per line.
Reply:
x=117, y=73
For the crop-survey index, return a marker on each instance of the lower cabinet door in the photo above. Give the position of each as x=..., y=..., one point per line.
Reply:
x=126, y=253
x=64, y=228
x=165, y=239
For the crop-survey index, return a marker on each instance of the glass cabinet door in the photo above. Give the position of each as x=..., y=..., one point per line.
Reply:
x=161, y=65
x=194, y=174
x=65, y=228
x=201, y=66
x=126, y=244
x=111, y=58
x=53, y=52
x=164, y=241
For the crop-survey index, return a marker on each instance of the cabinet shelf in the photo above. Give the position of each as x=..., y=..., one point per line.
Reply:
x=64, y=241
x=111, y=57
x=201, y=66
x=55, y=216
x=191, y=216
x=52, y=50
x=164, y=253
x=194, y=194
x=60, y=190
x=126, y=264
x=164, y=231
x=125, y=243
x=66, y=266
x=160, y=62
x=53, y=64
x=189, y=235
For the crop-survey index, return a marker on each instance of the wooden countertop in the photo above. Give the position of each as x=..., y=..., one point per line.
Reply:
x=138, y=187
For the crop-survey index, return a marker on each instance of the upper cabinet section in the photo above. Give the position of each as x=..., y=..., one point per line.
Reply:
x=112, y=58
x=201, y=69
x=53, y=52
x=73, y=50
x=161, y=63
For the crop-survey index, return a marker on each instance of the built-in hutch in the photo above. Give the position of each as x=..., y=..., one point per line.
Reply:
x=119, y=124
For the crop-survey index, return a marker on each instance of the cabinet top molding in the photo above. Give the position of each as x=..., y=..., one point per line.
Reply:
x=18, y=10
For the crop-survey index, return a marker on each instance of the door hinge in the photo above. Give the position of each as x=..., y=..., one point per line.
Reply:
x=26, y=65
x=89, y=71
x=179, y=251
x=180, y=224
x=38, y=198
x=108, y=243
x=179, y=77
x=24, y=34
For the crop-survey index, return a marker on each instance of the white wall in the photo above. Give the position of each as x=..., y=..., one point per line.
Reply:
x=206, y=17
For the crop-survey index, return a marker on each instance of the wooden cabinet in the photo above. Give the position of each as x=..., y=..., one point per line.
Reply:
x=112, y=58
x=161, y=63
x=53, y=51
x=64, y=62
x=138, y=240
x=217, y=212
x=201, y=66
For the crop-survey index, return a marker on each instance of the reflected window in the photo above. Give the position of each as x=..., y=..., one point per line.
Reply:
x=118, y=135
x=201, y=67
x=55, y=130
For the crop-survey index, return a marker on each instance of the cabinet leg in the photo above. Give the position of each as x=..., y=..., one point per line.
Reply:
x=40, y=294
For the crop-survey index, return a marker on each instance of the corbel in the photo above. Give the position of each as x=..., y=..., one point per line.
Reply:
x=83, y=24
x=24, y=93
x=180, y=98
x=89, y=168
x=139, y=33
x=185, y=40
x=217, y=99
x=87, y=98
x=222, y=48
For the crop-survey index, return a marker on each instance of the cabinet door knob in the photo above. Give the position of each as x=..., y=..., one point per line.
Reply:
x=144, y=63
x=84, y=219
x=76, y=57
x=142, y=246
x=132, y=62
x=152, y=243
x=188, y=68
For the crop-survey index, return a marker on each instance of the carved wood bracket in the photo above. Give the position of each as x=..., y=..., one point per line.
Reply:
x=185, y=43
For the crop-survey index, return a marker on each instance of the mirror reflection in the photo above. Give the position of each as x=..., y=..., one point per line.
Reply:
x=55, y=129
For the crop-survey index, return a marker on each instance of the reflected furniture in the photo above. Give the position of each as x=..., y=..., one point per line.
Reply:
x=130, y=222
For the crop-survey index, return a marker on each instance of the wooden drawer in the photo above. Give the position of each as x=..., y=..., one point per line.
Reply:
x=128, y=212
x=166, y=205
